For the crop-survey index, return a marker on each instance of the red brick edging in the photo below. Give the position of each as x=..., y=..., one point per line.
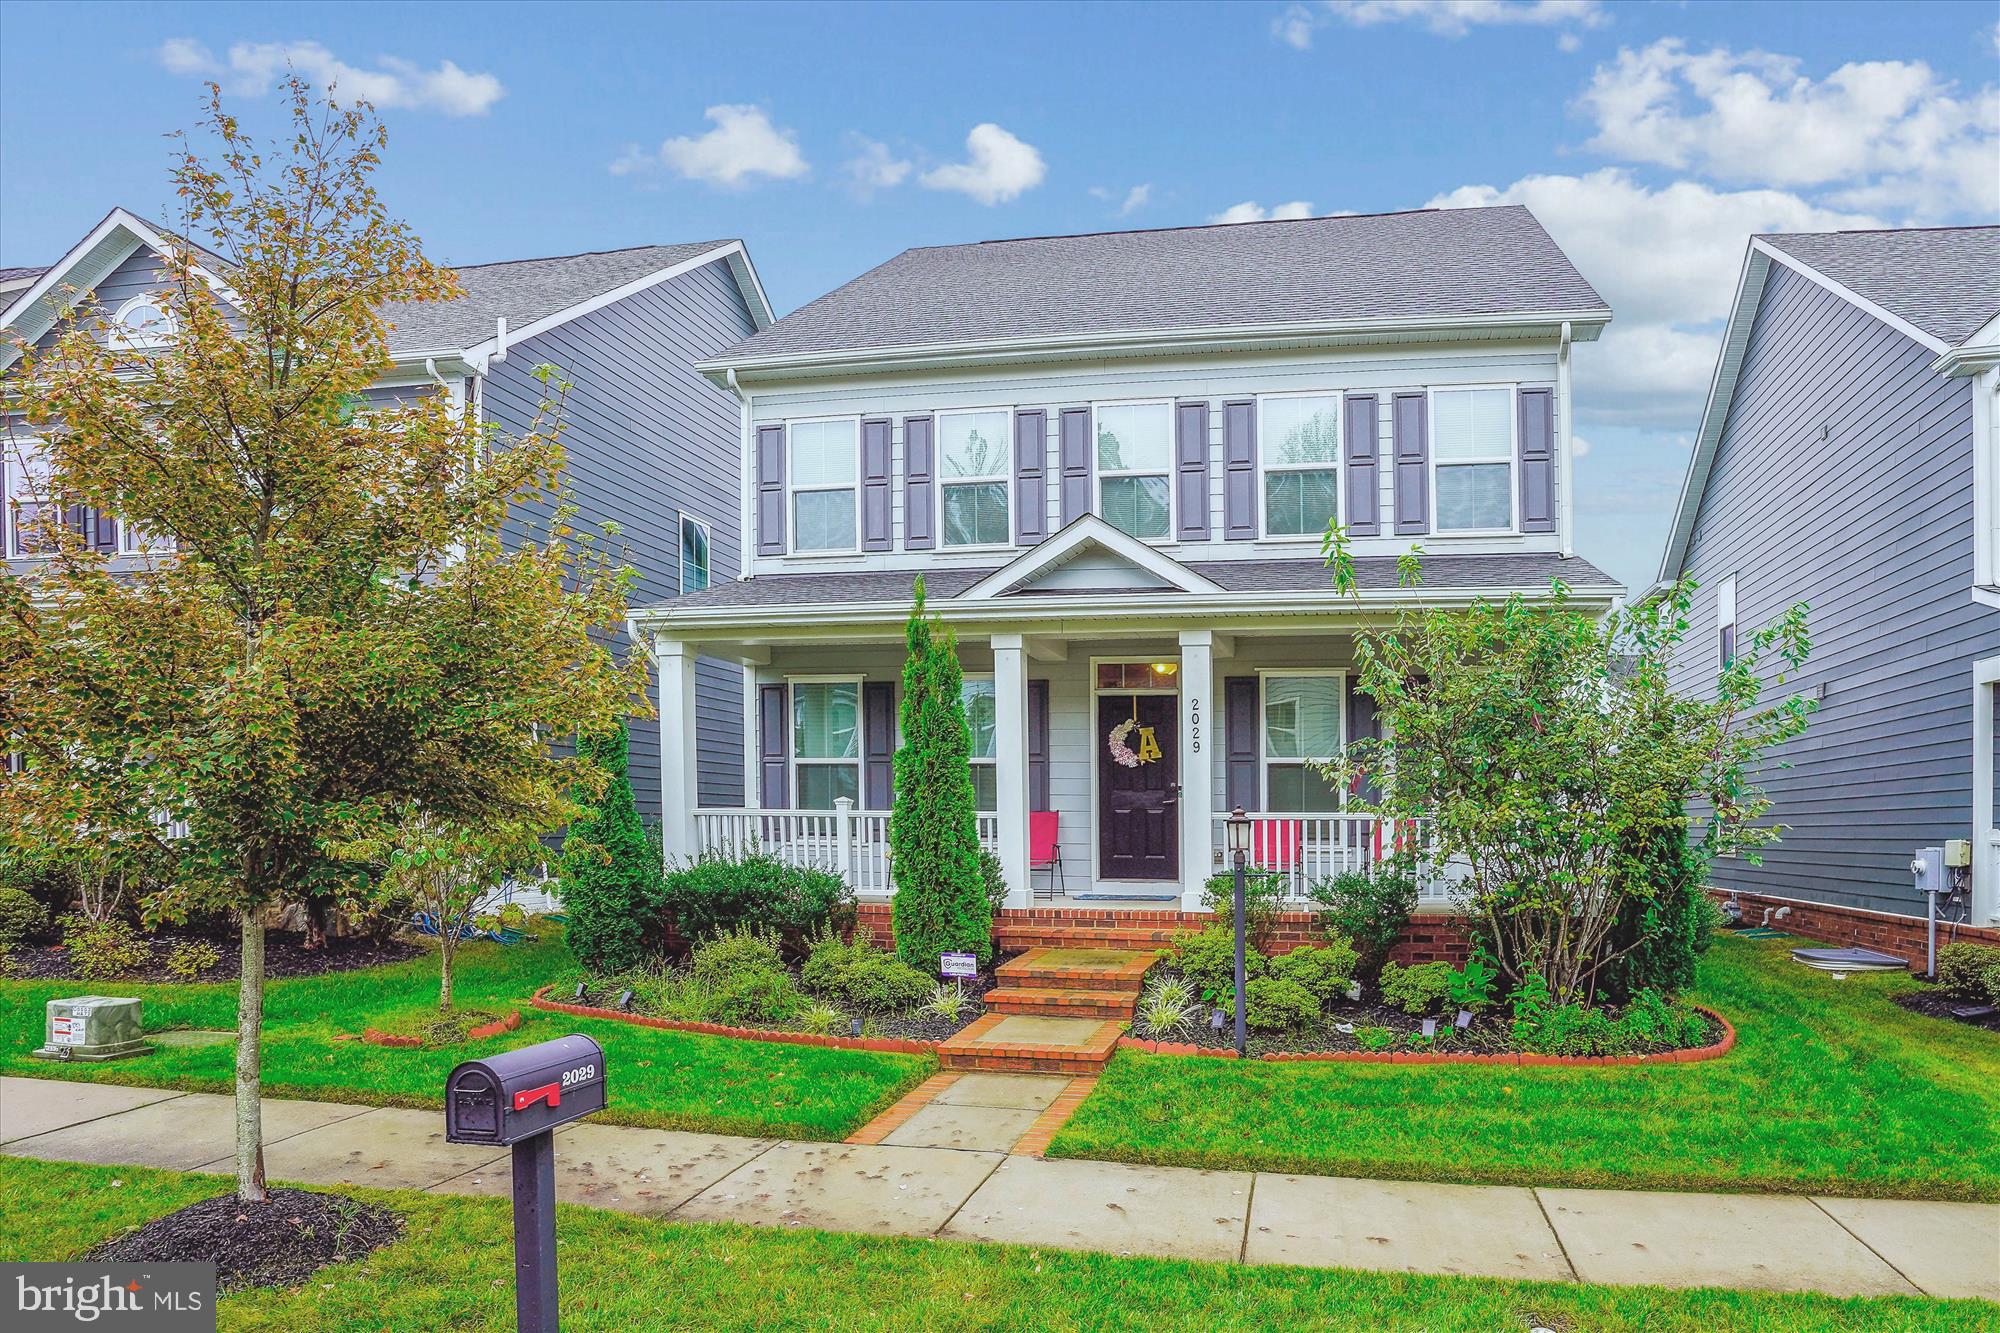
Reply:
x=896, y=1045
x=1693, y=1055
x=377, y=1037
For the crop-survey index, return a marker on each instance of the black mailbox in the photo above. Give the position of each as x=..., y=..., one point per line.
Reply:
x=516, y=1095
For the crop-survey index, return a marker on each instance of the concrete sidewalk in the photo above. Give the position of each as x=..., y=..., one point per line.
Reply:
x=976, y=1192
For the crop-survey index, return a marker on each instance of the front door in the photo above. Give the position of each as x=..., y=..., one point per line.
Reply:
x=1138, y=800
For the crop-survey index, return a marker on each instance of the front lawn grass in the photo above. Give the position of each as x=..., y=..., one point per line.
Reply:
x=667, y=1080
x=1832, y=1089
x=453, y=1268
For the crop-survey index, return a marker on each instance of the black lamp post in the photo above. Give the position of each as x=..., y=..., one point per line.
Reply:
x=1239, y=858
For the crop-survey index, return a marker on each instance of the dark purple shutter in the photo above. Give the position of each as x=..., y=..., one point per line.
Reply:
x=878, y=726
x=1031, y=487
x=1364, y=500
x=1538, y=460
x=1363, y=725
x=1411, y=429
x=774, y=749
x=104, y=531
x=770, y=490
x=1239, y=471
x=1038, y=745
x=875, y=484
x=1076, y=463
x=919, y=477
x=1239, y=739
x=1191, y=469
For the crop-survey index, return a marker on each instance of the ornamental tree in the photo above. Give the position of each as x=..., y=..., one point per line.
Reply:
x=1546, y=752
x=941, y=904
x=328, y=638
x=611, y=873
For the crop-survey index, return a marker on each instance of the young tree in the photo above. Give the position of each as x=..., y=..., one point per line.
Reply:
x=611, y=873
x=941, y=904
x=336, y=636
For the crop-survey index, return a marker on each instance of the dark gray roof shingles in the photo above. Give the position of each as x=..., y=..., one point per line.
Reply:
x=1944, y=280
x=1437, y=262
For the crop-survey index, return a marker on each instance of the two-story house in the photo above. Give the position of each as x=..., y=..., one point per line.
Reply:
x=651, y=443
x=1113, y=457
x=1849, y=458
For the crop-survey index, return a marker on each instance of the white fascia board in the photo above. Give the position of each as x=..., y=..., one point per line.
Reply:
x=1087, y=530
x=479, y=352
x=1979, y=352
x=1585, y=325
x=1852, y=297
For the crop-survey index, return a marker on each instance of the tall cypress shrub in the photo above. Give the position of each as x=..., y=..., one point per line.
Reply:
x=941, y=904
x=1668, y=926
x=611, y=881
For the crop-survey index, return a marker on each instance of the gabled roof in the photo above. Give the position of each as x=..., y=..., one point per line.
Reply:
x=1429, y=268
x=1938, y=286
x=1145, y=568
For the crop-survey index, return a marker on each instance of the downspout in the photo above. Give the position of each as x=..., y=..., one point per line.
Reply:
x=1567, y=445
x=745, y=476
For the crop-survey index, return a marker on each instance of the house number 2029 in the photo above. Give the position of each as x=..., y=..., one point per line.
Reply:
x=1194, y=726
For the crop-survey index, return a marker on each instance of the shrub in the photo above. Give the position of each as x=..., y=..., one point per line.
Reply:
x=104, y=950
x=1970, y=972
x=1471, y=987
x=828, y=956
x=740, y=977
x=1370, y=907
x=1273, y=1004
x=20, y=916
x=718, y=893
x=1653, y=1019
x=190, y=958
x=1207, y=959
x=948, y=1002
x=994, y=879
x=1263, y=899
x=1325, y=971
x=1423, y=989
x=734, y=952
x=862, y=975
x=611, y=886
x=1167, y=1008
x=1666, y=919
x=1374, y=1039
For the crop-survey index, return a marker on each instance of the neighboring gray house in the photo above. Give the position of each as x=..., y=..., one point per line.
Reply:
x=651, y=443
x=1848, y=458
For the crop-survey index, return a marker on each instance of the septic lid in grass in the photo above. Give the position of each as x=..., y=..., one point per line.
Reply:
x=1849, y=960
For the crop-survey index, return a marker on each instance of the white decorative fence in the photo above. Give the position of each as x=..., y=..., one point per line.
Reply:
x=853, y=844
x=1306, y=848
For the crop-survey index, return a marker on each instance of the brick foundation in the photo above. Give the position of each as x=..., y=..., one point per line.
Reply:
x=1902, y=936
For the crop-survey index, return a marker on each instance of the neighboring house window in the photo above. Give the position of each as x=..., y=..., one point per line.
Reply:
x=1299, y=441
x=28, y=506
x=1725, y=620
x=1134, y=458
x=826, y=742
x=1472, y=456
x=694, y=555
x=980, y=717
x=1302, y=729
x=973, y=468
x=140, y=323
x=825, y=456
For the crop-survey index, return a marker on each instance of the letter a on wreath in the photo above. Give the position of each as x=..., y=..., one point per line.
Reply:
x=1149, y=746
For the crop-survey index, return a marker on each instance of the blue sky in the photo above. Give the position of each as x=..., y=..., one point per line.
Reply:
x=1650, y=139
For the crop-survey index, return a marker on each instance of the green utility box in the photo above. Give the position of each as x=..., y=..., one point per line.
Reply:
x=93, y=1027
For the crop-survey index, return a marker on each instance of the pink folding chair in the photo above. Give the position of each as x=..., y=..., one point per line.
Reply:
x=1045, y=842
x=1275, y=843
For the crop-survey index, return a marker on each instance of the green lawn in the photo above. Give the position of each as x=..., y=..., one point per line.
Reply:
x=670, y=1080
x=453, y=1268
x=1831, y=1088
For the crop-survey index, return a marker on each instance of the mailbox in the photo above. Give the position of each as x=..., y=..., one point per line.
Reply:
x=516, y=1095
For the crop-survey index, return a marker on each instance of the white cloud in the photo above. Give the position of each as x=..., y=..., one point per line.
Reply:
x=252, y=69
x=1295, y=27
x=1883, y=134
x=1579, y=446
x=999, y=167
x=1447, y=18
x=743, y=144
x=1252, y=211
x=874, y=167
x=1666, y=260
x=1136, y=198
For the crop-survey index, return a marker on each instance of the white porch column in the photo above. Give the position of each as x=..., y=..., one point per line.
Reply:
x=1985, y=856
x=1010, y=724
x=678, y=790
x=1198, y=732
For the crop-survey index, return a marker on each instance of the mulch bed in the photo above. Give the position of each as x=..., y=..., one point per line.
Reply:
x=1934, y=1003
x=285, y=955
x=279, y=1243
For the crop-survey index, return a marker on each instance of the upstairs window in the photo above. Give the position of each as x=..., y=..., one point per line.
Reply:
x=694, y=555
x=973, y=471
x=981, y=718
x=826, y=742
x=1302, y=730
x=28, y=505
x=825, y=456
x=1725, y=621
x=140, y=323
x=1472, y=458
x=1135, y=452
x=1299, y=441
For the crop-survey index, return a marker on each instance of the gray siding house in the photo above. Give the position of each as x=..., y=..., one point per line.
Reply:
x=1847, y=459
x=651, y=443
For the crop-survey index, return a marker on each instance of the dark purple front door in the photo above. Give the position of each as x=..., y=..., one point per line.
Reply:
x=1138, y=809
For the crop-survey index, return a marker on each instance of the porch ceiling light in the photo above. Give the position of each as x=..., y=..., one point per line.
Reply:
x=1165, y=668
x=1239, y=832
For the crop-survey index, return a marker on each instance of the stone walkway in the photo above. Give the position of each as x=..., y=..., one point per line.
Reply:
x=939, y=1173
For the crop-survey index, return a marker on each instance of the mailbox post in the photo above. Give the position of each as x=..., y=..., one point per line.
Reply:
x=517, y=1099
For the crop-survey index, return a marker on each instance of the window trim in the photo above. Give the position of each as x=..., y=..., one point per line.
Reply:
x=120, y=340
x=793, y=489
x=1264, y=756
x=860, y=760
x=1005, y=478
x=974, y=760
x=1265, y=469
x=1512, y=388
x=708, y=548
x=1171, y=536
x=1726, y=636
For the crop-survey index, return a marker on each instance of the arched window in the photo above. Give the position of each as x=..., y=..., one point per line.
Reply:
x=142, y=321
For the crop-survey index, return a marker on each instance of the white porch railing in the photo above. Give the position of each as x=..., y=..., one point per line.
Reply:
x=1307, y=848
x=853, y=844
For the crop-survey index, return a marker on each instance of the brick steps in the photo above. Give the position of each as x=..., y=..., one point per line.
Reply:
x=1074, y=968
x=976, y=1048
x=1054, y=1003
x=1012, y=936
